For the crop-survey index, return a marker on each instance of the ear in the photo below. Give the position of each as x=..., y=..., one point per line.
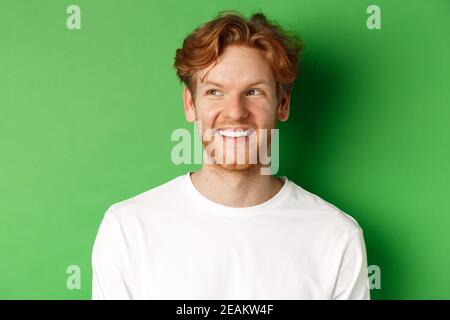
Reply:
x=189, y=108
x=284, y=107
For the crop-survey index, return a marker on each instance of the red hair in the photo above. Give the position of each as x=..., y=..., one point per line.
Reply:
x=204, y=45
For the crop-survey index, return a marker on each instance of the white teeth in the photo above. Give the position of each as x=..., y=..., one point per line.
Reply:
x=235, y=134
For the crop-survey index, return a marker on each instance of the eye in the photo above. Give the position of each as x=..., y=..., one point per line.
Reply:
x=213, y=92
x=253, y=92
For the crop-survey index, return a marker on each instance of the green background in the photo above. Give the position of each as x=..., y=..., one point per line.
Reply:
x=86, y=118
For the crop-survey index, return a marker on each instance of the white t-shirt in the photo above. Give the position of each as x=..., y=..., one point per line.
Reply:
x=171, y=242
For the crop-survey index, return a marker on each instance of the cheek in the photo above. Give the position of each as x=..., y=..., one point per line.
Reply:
x=207, y=117
x=264, y=104
x=264, y=115
x=205, y=109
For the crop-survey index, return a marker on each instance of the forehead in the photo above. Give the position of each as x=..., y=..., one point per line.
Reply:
x=238, y=66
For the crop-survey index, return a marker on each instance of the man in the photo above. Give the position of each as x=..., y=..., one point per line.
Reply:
x=230, y=231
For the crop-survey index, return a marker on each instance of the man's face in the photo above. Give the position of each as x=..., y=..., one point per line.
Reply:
x=236, y=100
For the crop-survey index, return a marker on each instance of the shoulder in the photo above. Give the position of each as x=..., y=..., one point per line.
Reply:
x=321, y=213
x=145, y=203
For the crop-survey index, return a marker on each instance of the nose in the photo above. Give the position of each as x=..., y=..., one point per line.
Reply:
x=235, y=109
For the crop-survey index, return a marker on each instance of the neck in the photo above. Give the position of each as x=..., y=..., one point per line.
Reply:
x=235, y=188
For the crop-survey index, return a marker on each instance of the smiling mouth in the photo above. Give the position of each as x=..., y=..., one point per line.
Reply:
x=233, y=133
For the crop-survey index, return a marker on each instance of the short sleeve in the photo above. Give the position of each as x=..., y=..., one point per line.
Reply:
x=352, y=282
x=111, y=276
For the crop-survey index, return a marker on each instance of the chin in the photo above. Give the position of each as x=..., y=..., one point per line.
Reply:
x=219, y=159
x=235, y=167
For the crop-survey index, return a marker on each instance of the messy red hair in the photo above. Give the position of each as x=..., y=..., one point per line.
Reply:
x=205, y=44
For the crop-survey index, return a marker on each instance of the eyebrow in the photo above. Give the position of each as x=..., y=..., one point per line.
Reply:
x=221, y=86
